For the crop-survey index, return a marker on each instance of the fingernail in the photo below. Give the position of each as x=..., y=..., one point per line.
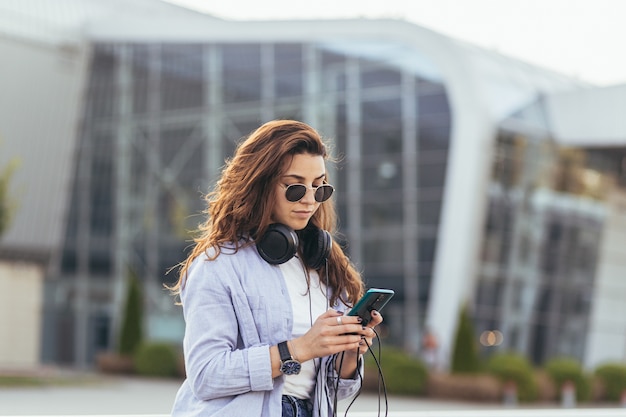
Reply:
x=359, y=319
x=374, y=313
x=364, y=327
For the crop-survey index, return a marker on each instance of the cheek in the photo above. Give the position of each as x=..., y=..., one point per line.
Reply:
x=279, y=206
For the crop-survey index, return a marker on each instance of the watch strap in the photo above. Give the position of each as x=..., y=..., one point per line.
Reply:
x=283, y=350
x=288, y=365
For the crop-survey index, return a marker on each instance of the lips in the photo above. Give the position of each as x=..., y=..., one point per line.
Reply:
x=303, y=213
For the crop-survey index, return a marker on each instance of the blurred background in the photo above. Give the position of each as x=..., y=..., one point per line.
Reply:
x=483, y=188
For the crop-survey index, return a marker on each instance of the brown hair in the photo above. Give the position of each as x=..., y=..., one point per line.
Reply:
x=238, y=207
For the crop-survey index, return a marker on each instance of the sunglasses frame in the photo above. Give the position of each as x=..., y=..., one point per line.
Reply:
x=306, y=189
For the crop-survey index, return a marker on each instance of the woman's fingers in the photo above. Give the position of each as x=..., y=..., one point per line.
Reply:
x=334, y=332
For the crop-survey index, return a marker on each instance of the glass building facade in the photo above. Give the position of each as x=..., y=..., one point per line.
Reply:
x=547, y=212
x=159, y=120
x=463, y=176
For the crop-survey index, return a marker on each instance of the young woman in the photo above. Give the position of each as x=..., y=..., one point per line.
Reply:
x=265, y=288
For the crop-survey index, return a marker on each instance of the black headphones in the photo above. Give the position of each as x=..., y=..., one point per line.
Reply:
x=280, y=243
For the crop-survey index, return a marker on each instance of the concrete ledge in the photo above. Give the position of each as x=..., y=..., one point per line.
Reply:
x=530, y=412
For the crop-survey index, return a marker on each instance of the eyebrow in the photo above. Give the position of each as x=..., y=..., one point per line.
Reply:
x=301, y=178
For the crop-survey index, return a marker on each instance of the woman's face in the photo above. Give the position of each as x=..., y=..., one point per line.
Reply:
x=306, y=169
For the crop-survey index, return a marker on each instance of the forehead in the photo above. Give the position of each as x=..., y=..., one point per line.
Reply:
x=305, y=166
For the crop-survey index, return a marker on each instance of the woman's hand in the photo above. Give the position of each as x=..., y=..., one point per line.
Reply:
x=368, y=332
x=347, y=364
x=328, y=335
x=332, y=333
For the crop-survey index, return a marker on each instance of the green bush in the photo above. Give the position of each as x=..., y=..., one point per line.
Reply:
x=562, y=370
x=403, y=374
x=516, y=368
x=465, y=358
x=613, y=378
x=156, y=359
x=131, y=333
x=8, y=205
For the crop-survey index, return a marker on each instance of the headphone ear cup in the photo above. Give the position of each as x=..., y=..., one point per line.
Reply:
x=317, y=244
x=278, y=244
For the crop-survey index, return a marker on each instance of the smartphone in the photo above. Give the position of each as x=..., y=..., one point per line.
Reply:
x=374, y=299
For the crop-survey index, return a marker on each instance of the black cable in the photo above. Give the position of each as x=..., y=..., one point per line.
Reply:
x=336, y=399
x=381, y=379
x=358, y=369
x=330, y=370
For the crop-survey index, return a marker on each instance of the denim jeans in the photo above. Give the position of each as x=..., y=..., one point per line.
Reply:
x=295, y=407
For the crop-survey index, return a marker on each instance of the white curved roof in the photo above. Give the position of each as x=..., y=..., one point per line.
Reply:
x=506, y=80
x=491, y=85
x=60, y=21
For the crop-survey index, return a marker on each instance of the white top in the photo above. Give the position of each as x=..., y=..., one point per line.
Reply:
x=307, y=307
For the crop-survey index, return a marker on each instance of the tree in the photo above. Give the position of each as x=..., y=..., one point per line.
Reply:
x=7, y=205
x=465, y=354
x=131, y=334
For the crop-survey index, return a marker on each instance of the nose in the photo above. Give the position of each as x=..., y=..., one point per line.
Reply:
x=309, y=196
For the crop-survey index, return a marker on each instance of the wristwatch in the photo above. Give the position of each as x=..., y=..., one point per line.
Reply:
x=288, y=365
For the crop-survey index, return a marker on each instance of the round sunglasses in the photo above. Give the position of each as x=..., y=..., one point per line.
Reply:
x=295, y=192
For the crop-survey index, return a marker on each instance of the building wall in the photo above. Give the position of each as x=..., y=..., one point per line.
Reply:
x=178, y=110
x=606, y=340
x=158, y=117
x=40, y=92
x=20, y=314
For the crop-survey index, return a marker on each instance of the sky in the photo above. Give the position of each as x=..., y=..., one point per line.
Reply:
x=585, y=39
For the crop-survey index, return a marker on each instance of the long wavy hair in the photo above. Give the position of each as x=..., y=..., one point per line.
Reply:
x=240, y=206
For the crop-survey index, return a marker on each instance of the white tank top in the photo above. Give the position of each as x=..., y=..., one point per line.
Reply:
x=307, y=307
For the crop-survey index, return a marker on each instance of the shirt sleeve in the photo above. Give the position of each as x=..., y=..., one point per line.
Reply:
x=216, y=363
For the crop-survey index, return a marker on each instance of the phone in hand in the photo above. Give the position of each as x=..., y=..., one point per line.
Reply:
x=374, y=299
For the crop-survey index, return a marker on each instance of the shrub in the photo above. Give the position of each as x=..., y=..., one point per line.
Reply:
x=131, y=332
x=403, y=374
x=511, y=367
x=156, y=359
x=562, y=370
x=464, y=387
x=546, y=388
x=613, y=378
x=8, y=205
x=465, y=354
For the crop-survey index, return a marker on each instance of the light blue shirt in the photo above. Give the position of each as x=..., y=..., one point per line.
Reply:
x=235, y=308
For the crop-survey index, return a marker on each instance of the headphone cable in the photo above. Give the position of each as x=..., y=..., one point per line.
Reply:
x=381, y=380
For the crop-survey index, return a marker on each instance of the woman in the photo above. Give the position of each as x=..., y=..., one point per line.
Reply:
x=264, y=288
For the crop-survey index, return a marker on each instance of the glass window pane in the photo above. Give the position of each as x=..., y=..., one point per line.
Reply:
x=289, y=70
x=241, y=73
x=181, y=77
x=380, y=77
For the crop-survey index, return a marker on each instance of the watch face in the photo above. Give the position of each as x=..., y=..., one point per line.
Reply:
x=290, y=367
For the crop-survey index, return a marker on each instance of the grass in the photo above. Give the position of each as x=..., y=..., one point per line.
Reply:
x=21, y=381
x=10, y=379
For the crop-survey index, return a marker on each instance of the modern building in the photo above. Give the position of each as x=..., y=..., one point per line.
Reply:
x=465, y=177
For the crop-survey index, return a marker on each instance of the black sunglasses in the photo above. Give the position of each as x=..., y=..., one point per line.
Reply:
x=295, y=192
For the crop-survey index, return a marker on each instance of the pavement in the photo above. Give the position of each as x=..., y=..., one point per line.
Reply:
x=118, y=396
x=115, y=395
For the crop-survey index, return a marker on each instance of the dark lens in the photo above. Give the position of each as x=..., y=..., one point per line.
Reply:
x=295, y=192
x=323, y=193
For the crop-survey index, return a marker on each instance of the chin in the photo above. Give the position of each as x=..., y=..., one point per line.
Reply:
x=298, y=225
